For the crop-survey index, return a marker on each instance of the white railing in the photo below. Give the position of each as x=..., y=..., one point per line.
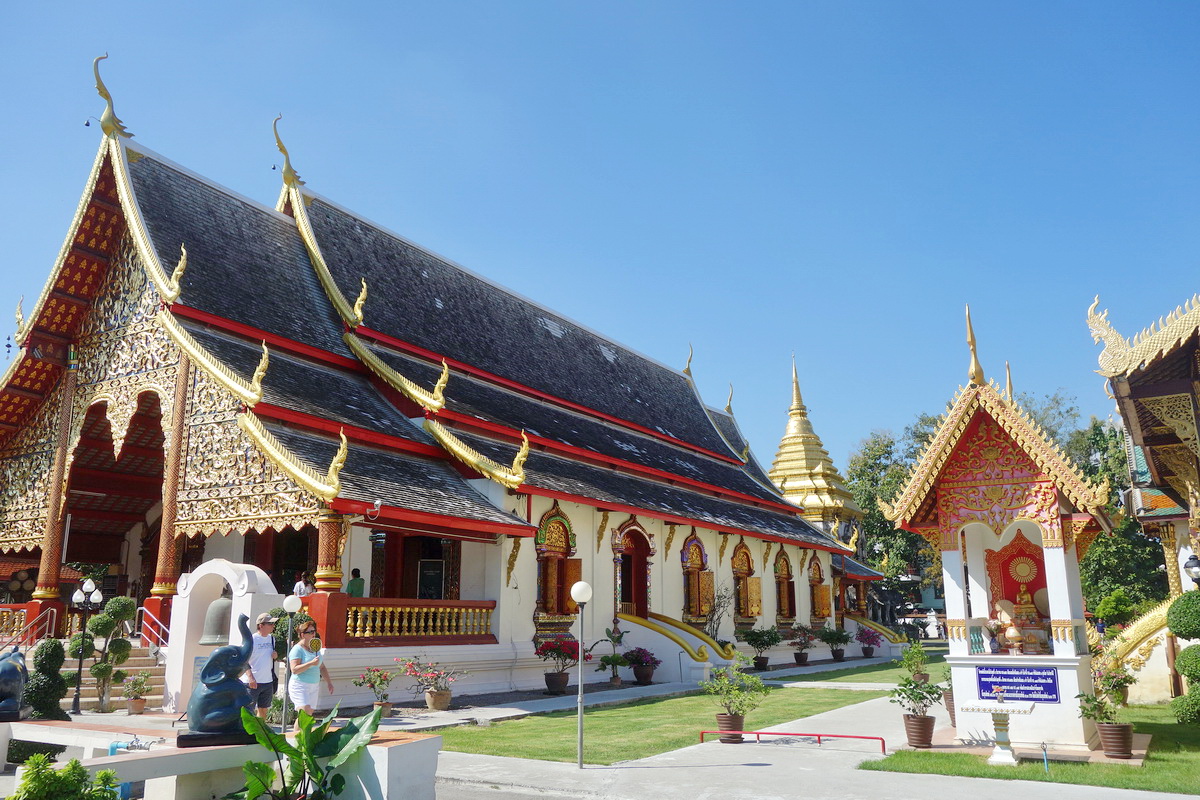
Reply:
x=43, y=626
x=152, y=630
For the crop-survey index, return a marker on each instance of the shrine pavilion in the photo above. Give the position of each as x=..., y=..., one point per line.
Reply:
x=293, y=387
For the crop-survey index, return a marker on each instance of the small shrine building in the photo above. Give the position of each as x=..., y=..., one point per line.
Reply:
x=1011, y=518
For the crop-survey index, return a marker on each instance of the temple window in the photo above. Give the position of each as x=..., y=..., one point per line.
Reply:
x=785, y=588
x=819, y=593
x=557, y=571
x=697, y=579
x=747, y=589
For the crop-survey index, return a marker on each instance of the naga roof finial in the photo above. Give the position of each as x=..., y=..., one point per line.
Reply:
x=109, y=122
x=1008, y=382
x=358, y=304
x=975, y=373
x=290, y=177
x=20, y=317
x=687, y=368
x=729, y=402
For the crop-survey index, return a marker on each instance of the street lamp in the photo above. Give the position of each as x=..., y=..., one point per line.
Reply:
x=1192, y=568
x=581, y=593
x=88, y=597
x=291, y=604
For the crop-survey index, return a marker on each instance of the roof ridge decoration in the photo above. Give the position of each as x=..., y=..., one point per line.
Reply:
x=293, y=195
x=433, y=401
x=109, y=122
x=1122, y=356
x=975, y=371
x=510, y=476
x=249, y=393
x=325, y=486
x=1019, y=426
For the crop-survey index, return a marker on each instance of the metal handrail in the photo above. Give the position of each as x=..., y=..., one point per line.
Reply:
x=47, y=620
x=151, y=632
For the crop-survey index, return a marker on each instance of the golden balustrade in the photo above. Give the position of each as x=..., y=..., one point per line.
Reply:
x=403, y=621
x=12, y=620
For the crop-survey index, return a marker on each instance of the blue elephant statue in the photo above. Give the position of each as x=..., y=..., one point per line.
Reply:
x=13, y=677
x=216, y=704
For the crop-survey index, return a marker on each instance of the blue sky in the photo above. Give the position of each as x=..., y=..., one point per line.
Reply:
x=757, y=179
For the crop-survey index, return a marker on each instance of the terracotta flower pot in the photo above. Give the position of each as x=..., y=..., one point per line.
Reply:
x=731, y=722
x=919, y=730
x=643, y=674
x=616, y=680
x=838, y=653
x=761, y=663
x=868, y=651
x=556, y=682
x=137, y=705
x=437, y=701
x=385, y=709
x=1116, y=739
x=801, y=658
x=921, y=677
x=948, y=699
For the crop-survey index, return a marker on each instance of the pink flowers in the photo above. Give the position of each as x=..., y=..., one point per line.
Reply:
x=428, y=676
x=377, y=681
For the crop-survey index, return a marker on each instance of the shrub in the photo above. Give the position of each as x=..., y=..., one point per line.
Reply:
x=44, y=692
x=836, y=638
x=1116, y=608
x=1187, y=663
x=762, y=639
x=641, y=657
x=734, y=690
x=1183, y=617
x=915, y=697
x=72, y=781
x=1187, y=708
x=805, y=638
x=868, y=637
x=138, y=686
x=913, y=659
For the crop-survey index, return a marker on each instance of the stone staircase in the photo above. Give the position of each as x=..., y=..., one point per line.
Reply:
x=140, y=660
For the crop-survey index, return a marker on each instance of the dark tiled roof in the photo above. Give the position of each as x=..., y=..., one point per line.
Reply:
x=317, y=389
x=854, y=569
x=728, y=427
x=245, y=263
x=487, y=401
x=596, y=483
x=399, y=480
x=424, y=300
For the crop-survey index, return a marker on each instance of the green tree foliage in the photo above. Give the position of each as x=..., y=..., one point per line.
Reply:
x=1183, y=617
x=1116, y=608
x=1187, y=663
x=42, y=782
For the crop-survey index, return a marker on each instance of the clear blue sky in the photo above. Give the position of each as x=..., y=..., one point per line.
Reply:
x=833, y=179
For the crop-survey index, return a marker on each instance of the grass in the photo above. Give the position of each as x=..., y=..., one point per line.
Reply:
x=635, y=730
x=877, y=673
x=1173, y=764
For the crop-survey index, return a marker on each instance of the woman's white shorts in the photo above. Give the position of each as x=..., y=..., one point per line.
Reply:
x=302, y=694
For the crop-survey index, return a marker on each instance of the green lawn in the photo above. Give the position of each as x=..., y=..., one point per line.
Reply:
x=877, y=673
x=635, y=730
x=1173, y=764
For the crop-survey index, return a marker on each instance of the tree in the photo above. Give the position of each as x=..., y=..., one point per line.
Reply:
x=1057, y=413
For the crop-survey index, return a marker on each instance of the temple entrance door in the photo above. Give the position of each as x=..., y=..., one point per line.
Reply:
x=291, y=551
x=634, y=574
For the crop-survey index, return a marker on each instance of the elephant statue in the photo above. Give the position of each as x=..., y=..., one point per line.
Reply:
x=216, y=704
x=13, y=676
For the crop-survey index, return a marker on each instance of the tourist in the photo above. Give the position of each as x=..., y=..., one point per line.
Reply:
x=261, y=675
x=304, y=585
x=356, y=586
x=303, y=686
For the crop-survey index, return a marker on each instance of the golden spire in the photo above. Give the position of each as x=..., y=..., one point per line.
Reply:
x=975, y=373
x=729, y=402
x=1008, y=382
x=687, y=368
x=290, y=176
x=109, y=122
x=797, y=401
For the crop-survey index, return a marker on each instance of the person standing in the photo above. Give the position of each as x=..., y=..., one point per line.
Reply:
x=356, y=586
x=261, y=674
x=307, y=670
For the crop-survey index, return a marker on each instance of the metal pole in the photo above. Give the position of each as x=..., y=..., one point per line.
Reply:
x=287, y=681
x=86, y=605
x=579, y=746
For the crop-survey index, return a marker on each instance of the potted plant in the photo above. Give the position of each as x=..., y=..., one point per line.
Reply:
x=762, y=640
x=614, y=660
x=948, y=695
x=135, y=689
x=1112, y=679
x=737, y=693
x=994, y=628
x=804, y=639
x=916, y=698
x=869, y=639
x=915, y=661
x=836, y=639
x=432, y=679
x=565, y=654
x=377, y=680
x=643, y=663
x=1116, y=738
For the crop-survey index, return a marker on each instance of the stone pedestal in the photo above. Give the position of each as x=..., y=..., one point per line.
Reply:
x=1000, y=711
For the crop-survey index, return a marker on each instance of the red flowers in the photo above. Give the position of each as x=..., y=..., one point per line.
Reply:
x=563, y=652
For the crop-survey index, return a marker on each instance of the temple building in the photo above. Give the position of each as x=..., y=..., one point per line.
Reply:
x=206, y=379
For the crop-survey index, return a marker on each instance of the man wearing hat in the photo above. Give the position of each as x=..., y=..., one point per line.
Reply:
x=261, y=674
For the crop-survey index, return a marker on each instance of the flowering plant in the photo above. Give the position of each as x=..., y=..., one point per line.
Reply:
x=1110, y=678
x=641, y=657
x=428, y=675
x=806, y=637
x=563, y=652
x=994, y=627
x=377, y=681
x=868, y=637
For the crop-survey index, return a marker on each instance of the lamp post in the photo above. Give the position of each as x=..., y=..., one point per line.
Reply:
x=291, y=604
x=581, y=593
x=1192, y=568
x=86, y=598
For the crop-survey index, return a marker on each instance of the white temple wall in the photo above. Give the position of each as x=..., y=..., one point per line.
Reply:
x=232, y=548
x=357, y=555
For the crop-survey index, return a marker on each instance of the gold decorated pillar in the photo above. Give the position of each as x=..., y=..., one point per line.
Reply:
x=329, y=560
x=1166, y=536
x=52, y=537
x=861, y=597
x=166, y=573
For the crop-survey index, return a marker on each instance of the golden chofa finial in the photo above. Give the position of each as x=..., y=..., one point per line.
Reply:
x=290, y=177
x=1008, y=382
x=358, y=304
x=109, y=122
x=687, y=368
x=975, y=373
x=729, y=402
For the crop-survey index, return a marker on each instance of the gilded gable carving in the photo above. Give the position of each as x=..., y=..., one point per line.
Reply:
x=1176, y=411
x=25, y=465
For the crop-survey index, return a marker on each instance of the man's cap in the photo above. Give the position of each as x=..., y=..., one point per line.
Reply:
x=264, y=618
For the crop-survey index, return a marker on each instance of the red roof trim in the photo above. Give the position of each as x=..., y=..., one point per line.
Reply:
x=411, y=349
x=397, y=515
x=275, y=340
x=670, y=518
x=353, y=432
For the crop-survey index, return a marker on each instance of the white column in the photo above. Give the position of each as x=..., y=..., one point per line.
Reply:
x=956, y=605
x=1063, y=595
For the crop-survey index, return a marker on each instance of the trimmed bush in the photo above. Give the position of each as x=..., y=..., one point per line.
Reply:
x=43, y=691
x=1187, y=708
x=1187, y=663
x=1183, y=617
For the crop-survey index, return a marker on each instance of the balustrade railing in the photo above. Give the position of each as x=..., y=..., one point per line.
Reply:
x=402, y=621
